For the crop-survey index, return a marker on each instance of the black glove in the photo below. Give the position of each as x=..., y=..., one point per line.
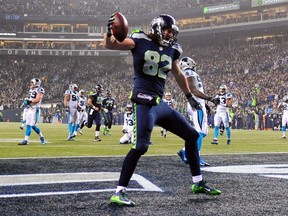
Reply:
x=124, y=131
x=109, y=25
x=193, y=102
x=208, y=109
x=215, y=100
x=67, y=109
x=26, y=102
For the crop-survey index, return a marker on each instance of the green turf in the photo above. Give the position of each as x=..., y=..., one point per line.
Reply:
x=243, y=141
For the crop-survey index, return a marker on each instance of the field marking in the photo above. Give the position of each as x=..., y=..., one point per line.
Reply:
x=259, y=169
x=19, y=140
x=266, y=170
x=122, y=156
x=61, y=178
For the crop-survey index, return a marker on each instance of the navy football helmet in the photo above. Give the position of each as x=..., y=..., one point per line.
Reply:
x=99, y=88
x=159, y=24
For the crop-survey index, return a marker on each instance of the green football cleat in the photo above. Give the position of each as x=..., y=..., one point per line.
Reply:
x=201, y=187
x=121, y=198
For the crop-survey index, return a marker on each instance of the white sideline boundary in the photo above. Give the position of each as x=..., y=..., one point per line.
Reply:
x=61, y=178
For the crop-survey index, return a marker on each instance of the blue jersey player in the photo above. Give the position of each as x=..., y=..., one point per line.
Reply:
x=154, y=55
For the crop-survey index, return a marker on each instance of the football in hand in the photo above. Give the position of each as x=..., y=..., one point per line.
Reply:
x=120, y=27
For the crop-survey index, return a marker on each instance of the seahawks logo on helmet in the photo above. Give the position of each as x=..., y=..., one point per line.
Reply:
x=159, y=24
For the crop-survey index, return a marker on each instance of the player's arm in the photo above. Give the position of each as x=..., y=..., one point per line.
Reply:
x=90, y=104
x=179, y=77
x=66, y=100
x=38, y=98
x=112, y=43
x=195, y=91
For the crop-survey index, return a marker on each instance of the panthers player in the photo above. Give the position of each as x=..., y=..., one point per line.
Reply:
x=127, y=126
x=70, y=103
x=284, y=106
x=81, y=112
x=33, y=103
x=199, y=117
x=25, y=110
x=94, y=112
x=154, y=55
x=222, y=114
x=108, y=105
x=172, y=103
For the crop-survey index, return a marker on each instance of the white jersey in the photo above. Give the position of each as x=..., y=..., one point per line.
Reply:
x=189, y=72
x=33, y=110
x=82, y=103
x=72, y=103
x=128, y=121
x=128, y=126
x=222, y=107
x=284, y=108
x=32, y=95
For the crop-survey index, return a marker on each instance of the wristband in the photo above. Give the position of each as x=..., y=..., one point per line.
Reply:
x=189, y=95
x=94, y=107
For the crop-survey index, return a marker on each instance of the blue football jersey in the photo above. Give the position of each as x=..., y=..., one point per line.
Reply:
x=152, y=63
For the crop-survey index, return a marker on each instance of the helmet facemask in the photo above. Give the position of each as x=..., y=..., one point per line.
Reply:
x=158, y=27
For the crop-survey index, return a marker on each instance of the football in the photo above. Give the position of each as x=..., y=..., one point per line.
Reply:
x=120, y=27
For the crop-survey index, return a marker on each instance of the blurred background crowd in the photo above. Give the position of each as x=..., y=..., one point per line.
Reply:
x=255, y=75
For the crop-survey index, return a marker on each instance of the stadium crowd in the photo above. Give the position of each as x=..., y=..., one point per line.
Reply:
x=256, y=75
x=94, y=7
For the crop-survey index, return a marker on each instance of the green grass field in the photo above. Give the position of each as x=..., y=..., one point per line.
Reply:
x=243, y=141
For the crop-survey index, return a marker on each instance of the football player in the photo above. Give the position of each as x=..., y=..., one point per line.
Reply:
x=155, y=54
x=198, y=116
x=222, y=114
x=172, y=103
x=94, y=112
x=284, y=106
x=108, y=105
x=70, y=104
x=81, y=112
x=127, y=126
x=33, y=104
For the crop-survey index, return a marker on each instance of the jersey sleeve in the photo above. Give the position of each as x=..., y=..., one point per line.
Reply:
x=67, y=92
x=41, y=90
x=188, y=72
x=178, y=51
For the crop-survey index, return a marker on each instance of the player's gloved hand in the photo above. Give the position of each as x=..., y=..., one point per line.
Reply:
x=193, y=102
x=105, y=110
x=124, y=131
x=215, y=100
x=67, y=109
x=109, y=25
x=27, y=101
x=208, y=109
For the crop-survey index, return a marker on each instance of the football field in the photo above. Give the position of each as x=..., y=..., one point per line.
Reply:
x=78, y=177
